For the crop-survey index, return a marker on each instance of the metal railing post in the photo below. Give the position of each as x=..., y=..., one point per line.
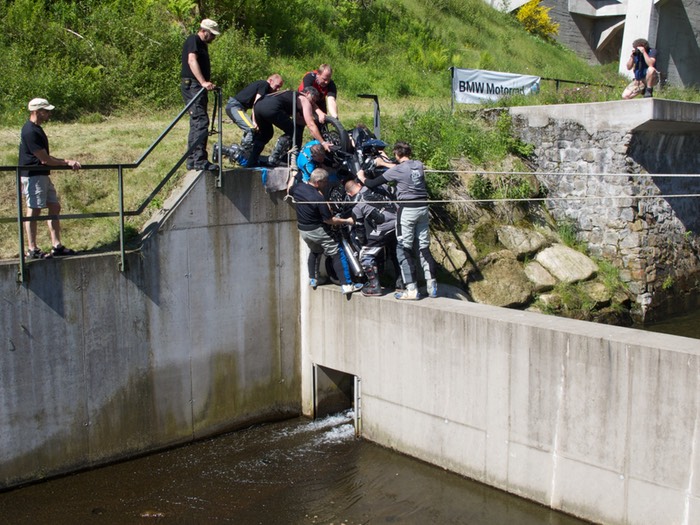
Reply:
x=23, y=271
x=22, y=274
x=122, y=247
x=220, y=121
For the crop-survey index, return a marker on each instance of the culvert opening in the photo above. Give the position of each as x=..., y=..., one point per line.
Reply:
x=336, y=391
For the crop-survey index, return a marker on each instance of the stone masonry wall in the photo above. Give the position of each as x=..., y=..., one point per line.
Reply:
x=600, y=182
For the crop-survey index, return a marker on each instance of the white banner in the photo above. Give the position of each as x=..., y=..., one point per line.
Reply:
x=472, y=86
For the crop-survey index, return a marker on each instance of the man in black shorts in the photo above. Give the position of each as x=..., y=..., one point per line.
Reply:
x=277, y=109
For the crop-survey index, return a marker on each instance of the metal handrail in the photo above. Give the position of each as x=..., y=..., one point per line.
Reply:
x=121, y=213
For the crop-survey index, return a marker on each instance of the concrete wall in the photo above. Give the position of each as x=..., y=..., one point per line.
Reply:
x=598, y=421
x=602, y=31
x=199, y=336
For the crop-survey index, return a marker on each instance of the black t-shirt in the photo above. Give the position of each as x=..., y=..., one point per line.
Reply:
x=309, y=216
x=329, y=91
x=281, y=101
x=246, y=96
x=32, y=139
x=196, y=45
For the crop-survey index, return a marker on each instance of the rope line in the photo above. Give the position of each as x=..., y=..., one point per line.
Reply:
x=536, y=199
x=558, y=173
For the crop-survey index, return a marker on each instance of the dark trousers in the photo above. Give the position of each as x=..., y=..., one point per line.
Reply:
x=268, y=113
x=199, y=122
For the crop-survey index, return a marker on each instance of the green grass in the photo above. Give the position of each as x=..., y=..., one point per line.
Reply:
x=124, y=92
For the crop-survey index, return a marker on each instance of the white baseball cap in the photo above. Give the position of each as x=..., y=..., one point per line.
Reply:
x=210, y=26
x=39, y=103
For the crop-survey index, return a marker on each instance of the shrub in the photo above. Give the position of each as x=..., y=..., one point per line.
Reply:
x=535, y=19
x=480, y=187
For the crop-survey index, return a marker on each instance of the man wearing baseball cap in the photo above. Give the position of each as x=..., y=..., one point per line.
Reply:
x=37, y=187
x=195, y=75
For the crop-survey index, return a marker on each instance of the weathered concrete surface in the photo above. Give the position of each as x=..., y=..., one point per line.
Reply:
x=198, y=336
x=598, y=421
x=623, y=115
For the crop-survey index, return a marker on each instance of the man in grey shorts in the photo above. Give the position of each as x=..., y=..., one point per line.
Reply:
x=37, y=187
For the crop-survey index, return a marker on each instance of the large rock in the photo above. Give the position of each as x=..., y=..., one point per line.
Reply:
x=566, y=264
x=449, y=256
x=520, y=241
x=540, y=278
x=598, y=293
x=502, y=281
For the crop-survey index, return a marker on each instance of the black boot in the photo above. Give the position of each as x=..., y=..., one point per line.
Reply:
x=279, y=152
x=372, y=287
x=254, y=159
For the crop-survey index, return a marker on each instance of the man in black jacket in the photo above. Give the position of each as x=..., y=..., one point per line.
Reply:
x=313, y=220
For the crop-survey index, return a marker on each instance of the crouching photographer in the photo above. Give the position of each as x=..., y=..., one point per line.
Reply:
x=646, y=74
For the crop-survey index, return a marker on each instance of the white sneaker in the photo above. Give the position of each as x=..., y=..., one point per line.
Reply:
x=347, y=289
x=407, y=295
x=432, y=288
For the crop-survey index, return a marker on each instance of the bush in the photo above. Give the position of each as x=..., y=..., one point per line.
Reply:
x=480, y=187
x=535, y=19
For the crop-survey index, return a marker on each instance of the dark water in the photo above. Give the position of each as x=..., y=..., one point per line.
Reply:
x=295, y=472
x=687, y=325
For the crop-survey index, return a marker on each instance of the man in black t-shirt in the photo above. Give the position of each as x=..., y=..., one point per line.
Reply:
x=196, y=74
x=37, y=187
x=244, y=100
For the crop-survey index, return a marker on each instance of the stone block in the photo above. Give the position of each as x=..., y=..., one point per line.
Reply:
x=566, y=264
x=540, y=278
x=521, y=241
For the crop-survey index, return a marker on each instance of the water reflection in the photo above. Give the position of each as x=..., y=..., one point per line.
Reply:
x=294, y=472
x=687, y=325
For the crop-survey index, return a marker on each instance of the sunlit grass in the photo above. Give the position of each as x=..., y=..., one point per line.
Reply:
x=125, y=137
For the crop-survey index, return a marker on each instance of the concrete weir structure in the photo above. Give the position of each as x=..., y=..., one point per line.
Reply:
x=212, y=327
x=198, y=336
x=597, y=421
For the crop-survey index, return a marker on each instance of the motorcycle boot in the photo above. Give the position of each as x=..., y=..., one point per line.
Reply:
x=372, y=287
x=279, y=152
x=247, y=143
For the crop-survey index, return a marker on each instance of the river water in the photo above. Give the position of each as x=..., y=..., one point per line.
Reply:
x=687, y=325
x=292, y=472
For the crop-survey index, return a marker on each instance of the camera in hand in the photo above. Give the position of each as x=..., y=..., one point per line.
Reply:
x=636, y=52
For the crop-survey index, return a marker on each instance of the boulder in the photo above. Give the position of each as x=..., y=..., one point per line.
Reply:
x=520, y=241
x=503, y=281
x=566, y=264
x=540, y=278
x=598, y=293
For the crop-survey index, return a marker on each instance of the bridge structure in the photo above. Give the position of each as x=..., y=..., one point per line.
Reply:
x=602, y=31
